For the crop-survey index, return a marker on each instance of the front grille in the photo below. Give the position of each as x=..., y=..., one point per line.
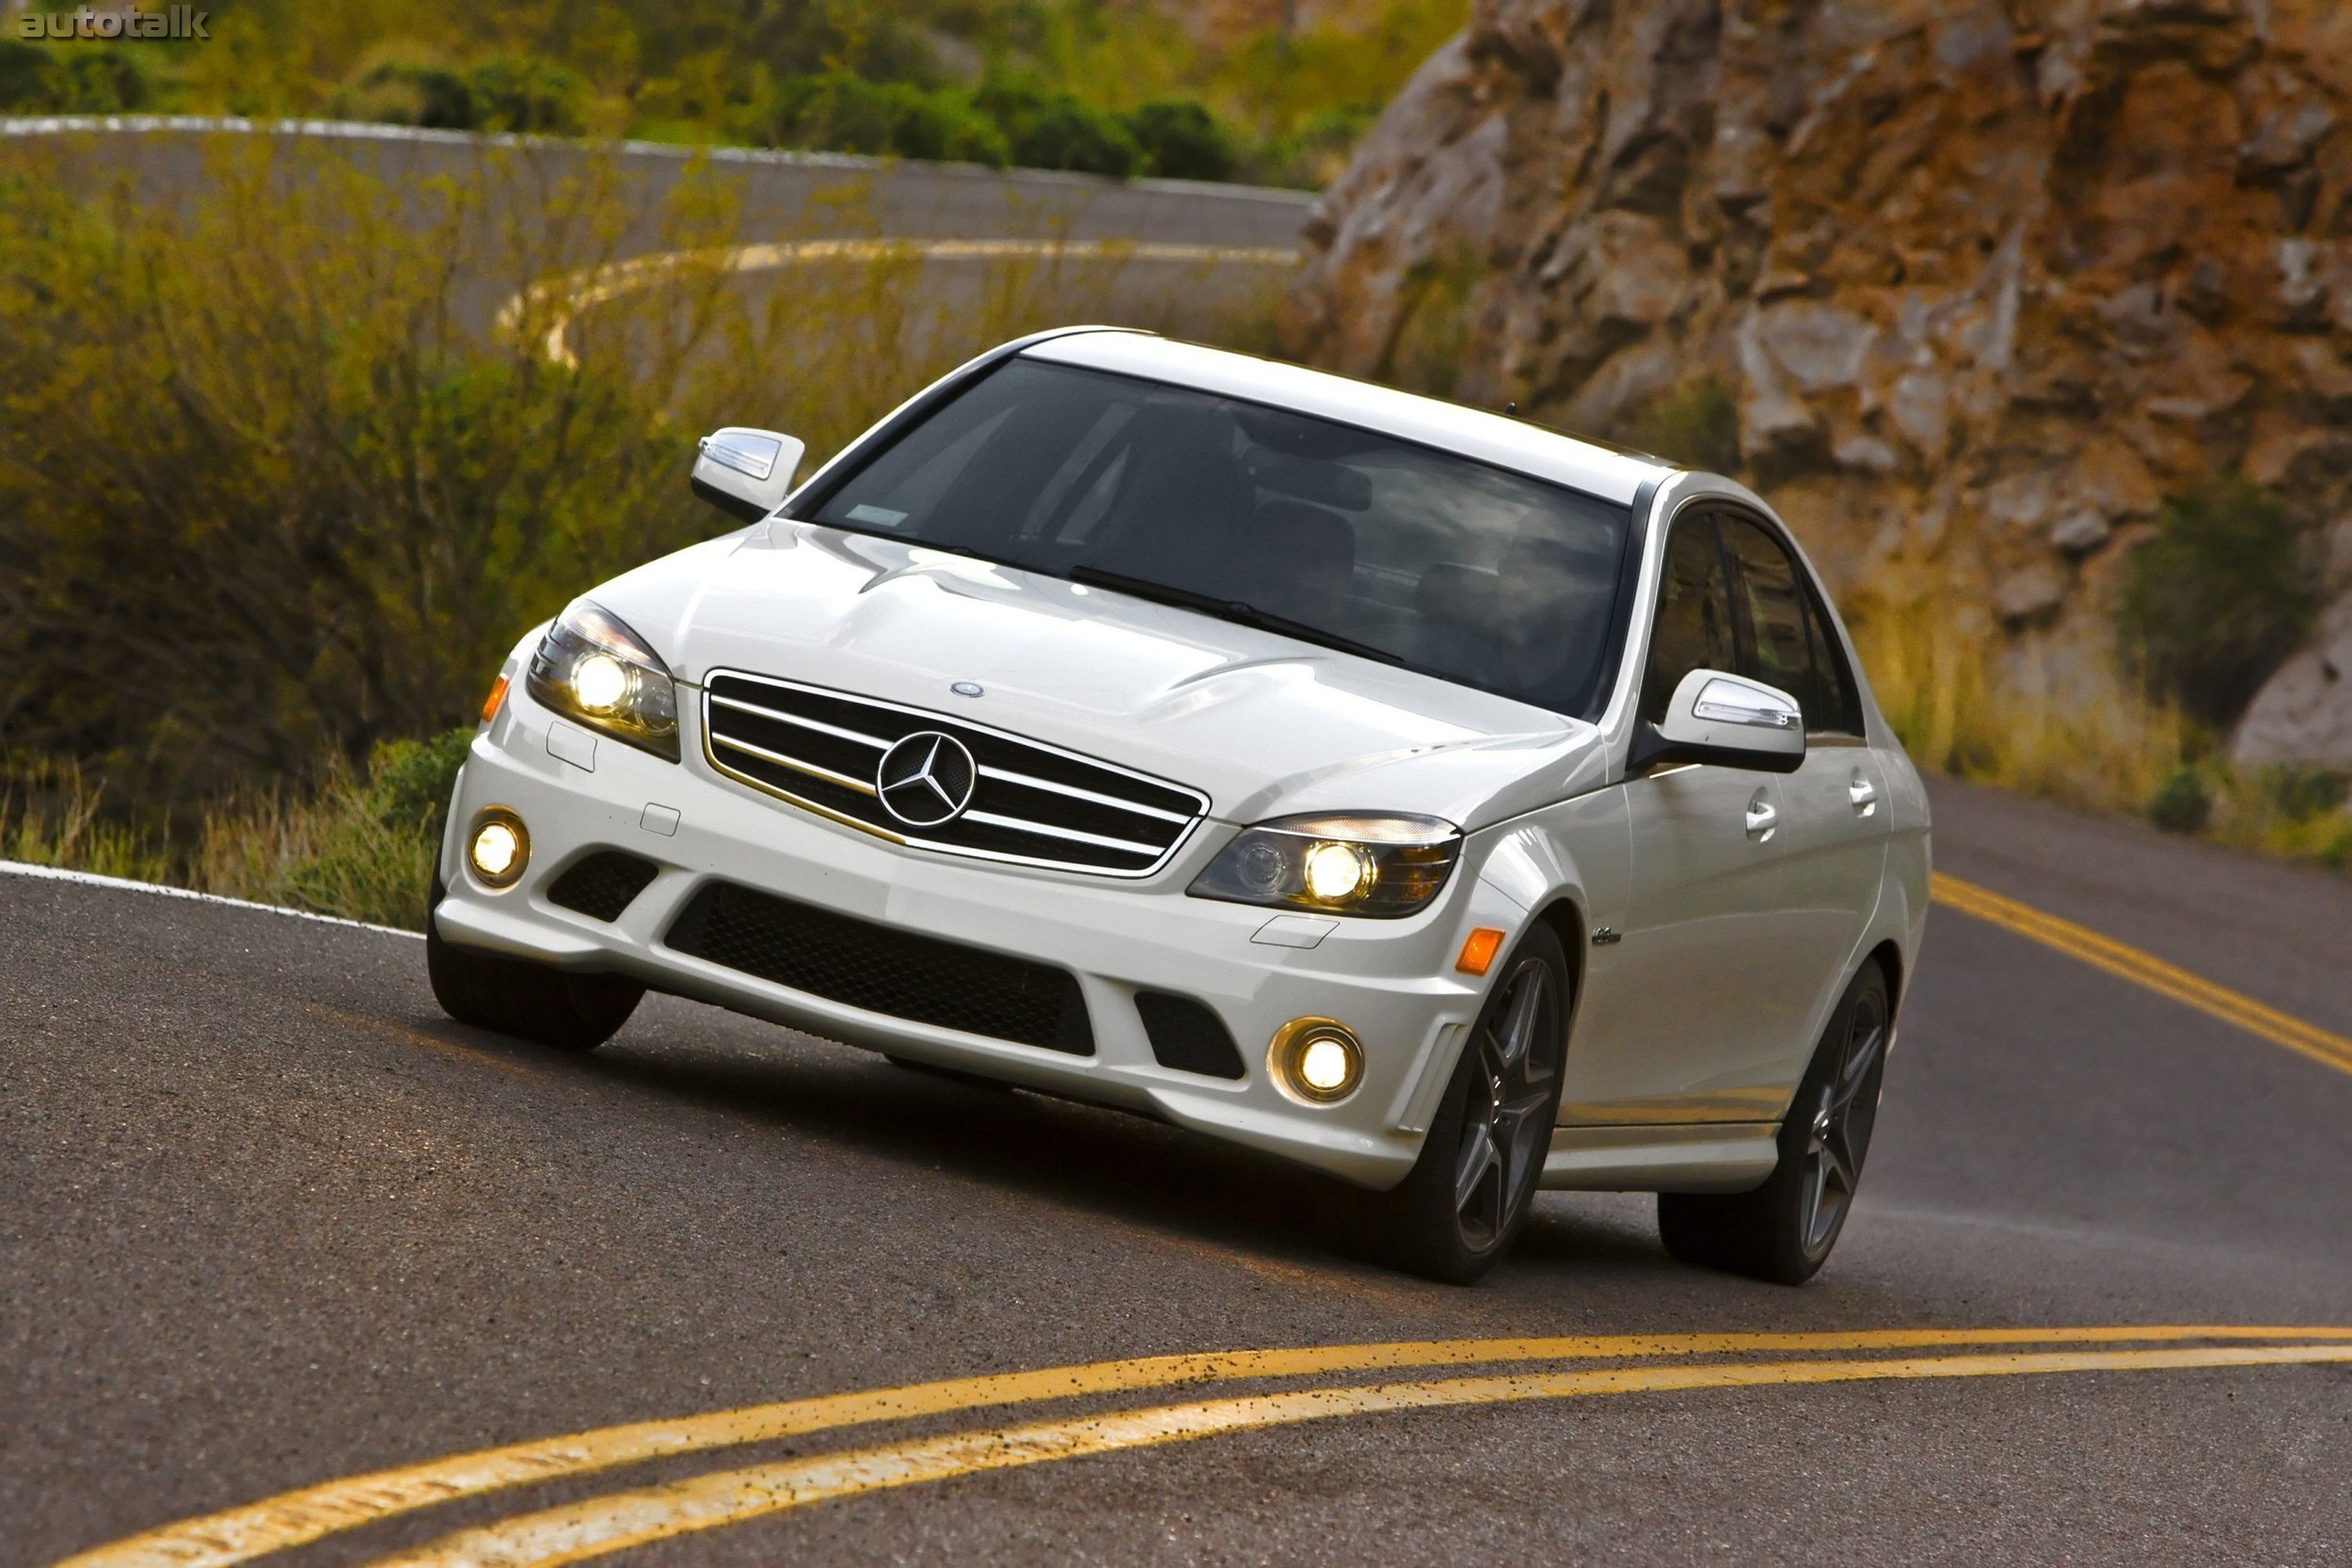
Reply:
x=602, y=885
x=1029, y=803
x=883, y=970
x=1187, y=1036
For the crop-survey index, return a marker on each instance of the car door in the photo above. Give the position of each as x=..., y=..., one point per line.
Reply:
x=1832, y=839
x=1693, y=1014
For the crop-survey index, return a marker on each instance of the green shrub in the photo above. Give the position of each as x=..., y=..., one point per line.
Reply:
x=518, y=94
x=842, y=113
x=2219, y=597
x=24, y=72
x=1055, y=129
x=526, y=95
x=2300, y=794
x=2182, y=804
x=1181, y=140
x=375, y=854
x=1696, y=423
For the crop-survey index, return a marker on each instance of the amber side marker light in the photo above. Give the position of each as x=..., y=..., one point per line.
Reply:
x=491, y=704
x=1479, y=950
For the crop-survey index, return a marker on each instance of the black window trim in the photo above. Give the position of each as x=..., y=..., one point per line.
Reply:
x=1816, y=600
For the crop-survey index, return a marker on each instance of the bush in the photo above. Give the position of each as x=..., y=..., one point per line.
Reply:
x=841, y=112
x=2300, y=794
x=268, y=493
x=1696, y=423
x=376, y=846
x=526, y=95
x=506, y=93
x=24, y=72
x=2182, y=804
x=2220, y=598
x=1181, y=140
x=1056, y=131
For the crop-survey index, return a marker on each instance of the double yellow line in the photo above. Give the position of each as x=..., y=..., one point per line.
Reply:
x=2146, y=969
x=592, y=1528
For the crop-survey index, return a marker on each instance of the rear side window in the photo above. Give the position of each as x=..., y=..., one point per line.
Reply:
x=1784, y=637
x=1693, y=628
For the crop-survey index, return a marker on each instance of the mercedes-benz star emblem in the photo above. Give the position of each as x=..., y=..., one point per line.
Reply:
x=926, y=779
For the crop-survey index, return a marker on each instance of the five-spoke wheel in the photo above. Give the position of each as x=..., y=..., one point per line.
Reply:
x=1458, y=1210
x=1784, y=1229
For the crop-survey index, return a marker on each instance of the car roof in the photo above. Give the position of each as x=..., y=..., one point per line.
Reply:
x=1495, y=438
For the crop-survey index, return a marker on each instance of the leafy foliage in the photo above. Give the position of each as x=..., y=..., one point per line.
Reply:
x=2222, y=595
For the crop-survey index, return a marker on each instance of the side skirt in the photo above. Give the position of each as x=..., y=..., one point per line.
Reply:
x=1705, y=1157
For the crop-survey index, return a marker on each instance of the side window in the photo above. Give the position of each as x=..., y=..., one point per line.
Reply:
x=1693, y=629
x=1783, y=641
x=1843, y=713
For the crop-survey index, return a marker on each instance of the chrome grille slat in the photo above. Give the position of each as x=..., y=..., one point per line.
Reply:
x=874, y=740
x=1029, y=803
x=1077, y=794
x=796, y=765
x=990, y=819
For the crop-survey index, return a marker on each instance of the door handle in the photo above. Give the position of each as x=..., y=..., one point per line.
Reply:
x=1862, y=794
x=1762, y=820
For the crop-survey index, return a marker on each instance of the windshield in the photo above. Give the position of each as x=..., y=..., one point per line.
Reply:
x=1323, y=530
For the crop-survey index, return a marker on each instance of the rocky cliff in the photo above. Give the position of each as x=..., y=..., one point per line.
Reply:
x=1967, y=287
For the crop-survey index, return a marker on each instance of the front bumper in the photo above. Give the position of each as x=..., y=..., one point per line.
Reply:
x=1392, y=981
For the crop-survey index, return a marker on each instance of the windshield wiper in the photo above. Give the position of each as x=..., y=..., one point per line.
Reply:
x=1238, y=611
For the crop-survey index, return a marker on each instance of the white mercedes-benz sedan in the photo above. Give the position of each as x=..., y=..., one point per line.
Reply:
x=1407, y=791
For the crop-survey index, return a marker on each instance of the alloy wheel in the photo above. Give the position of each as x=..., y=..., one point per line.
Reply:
x=1505, y=1130
x=1839, y=1135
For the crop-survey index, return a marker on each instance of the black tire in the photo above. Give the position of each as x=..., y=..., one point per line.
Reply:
x=1782, y=1231
x=531, y=1001
x=1458, y=1212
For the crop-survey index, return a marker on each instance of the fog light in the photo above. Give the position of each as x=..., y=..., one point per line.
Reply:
x=499, y=847
x=1318, y=1060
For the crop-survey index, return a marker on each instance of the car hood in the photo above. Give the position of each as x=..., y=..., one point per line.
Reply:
x=1263, y=723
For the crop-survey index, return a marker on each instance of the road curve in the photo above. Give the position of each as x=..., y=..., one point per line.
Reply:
x=269, y=1221
x=782, y=192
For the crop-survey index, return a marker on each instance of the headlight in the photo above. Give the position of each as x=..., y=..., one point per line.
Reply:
x=1380, y=866
x=592, y=668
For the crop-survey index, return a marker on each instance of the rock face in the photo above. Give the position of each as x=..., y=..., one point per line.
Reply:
x=1982, y=280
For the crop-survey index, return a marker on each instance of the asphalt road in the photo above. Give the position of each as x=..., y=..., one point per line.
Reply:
x=778, y=197
x=267, y=1219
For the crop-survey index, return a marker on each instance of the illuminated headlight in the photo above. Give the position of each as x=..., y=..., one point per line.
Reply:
x=590, y=666
x=498, y=847
x=1379, y=866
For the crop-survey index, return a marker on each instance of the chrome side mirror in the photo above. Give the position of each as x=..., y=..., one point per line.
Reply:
x=1725, y=720
x=746, y=473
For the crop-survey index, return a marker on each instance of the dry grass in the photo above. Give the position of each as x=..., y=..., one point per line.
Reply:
x=2083, y=733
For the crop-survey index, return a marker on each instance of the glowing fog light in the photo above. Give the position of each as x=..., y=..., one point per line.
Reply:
x=1317, y=1060
x=1337, y=871
x=600, y=683
x=1324, y=1066
x=498, y=847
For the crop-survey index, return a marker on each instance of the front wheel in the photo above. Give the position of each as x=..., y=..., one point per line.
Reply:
x=1782, y=1231
x=1455, y=1215
x=530, y=1001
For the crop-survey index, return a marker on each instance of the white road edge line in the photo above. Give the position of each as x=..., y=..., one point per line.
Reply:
x=91, y=878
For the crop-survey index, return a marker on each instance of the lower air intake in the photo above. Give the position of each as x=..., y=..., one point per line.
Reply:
x=602, y=885
x=1187, y=1036
x=882, y=969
